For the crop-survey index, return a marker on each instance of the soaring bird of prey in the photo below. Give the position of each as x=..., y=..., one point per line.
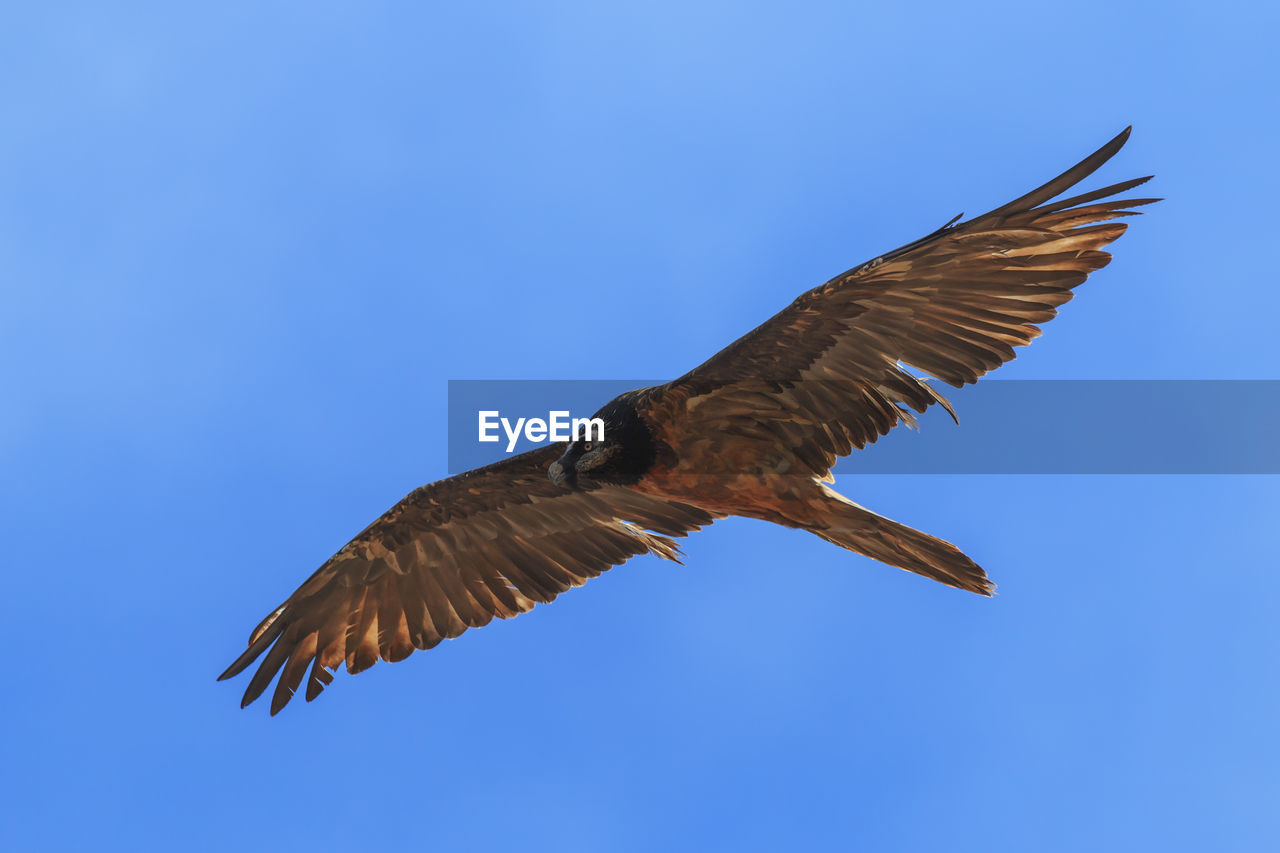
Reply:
x=754, y=431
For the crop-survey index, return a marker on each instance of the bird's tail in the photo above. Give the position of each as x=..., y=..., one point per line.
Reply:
x=848, y=525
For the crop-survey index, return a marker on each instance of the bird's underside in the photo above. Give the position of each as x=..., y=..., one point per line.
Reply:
x=754, y=432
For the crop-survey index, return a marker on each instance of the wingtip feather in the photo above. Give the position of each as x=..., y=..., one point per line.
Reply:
x=1066, y=180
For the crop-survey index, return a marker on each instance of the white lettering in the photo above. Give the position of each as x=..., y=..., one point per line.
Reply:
x=486, y=424
x=512, y=434
x=594, y=429
x=559, y=426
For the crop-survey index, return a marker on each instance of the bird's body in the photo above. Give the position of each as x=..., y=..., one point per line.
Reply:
x=752, y=432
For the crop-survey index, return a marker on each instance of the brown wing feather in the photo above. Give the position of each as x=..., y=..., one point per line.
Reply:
x=827, y=373
x=453, y=555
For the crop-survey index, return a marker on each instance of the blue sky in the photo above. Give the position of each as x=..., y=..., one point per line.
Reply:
x=244, y=248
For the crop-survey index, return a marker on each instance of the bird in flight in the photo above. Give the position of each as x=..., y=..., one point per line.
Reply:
x=753, y=432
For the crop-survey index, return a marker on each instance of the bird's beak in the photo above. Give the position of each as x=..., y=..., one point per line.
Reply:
x=565, y=478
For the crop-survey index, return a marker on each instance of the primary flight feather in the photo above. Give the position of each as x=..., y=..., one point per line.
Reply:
x=753, y=432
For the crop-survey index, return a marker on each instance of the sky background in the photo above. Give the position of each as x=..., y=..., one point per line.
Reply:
x=244, y=247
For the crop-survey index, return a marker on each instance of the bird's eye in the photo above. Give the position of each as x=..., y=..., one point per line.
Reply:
x=588, y=446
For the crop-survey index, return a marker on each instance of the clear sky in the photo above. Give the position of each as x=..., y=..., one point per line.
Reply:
x=244, y=247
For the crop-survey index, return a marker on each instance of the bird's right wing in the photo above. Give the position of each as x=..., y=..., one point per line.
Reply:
x=452, y=555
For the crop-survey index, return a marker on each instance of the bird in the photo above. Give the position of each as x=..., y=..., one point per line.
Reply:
x=754, y=431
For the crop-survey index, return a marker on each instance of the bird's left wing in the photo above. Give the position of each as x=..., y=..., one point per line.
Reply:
x=452, y=555
x=826, y=374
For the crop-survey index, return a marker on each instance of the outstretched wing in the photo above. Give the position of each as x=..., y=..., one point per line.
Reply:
x=451, y=556
x=827, y=374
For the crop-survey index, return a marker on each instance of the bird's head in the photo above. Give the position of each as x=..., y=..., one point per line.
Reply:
x=620, y=457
